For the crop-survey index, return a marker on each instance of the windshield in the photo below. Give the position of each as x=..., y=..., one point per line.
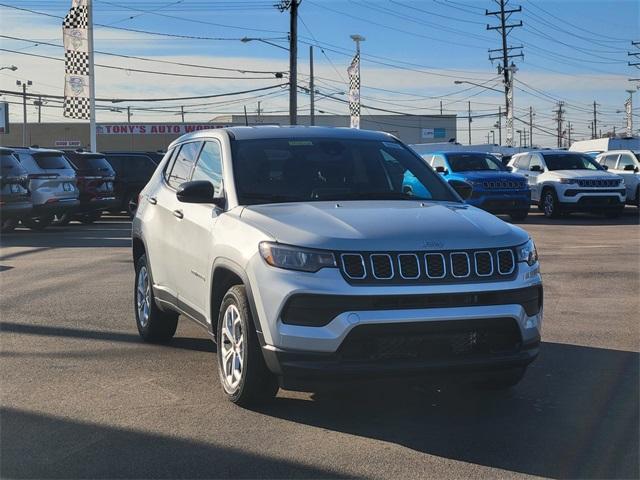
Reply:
x=53, y=161
x=468, y=162
x=317, y=169
x=570, y=161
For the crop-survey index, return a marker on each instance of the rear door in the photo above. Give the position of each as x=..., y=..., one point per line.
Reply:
x=627, y=160
x=535, y=160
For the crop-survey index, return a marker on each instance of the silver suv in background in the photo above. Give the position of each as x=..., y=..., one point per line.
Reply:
x=301, y=253
x=52, y=183
x=563, y=182
x=625, y=163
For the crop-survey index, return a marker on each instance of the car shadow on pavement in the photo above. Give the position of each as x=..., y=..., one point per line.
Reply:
x=42, y=446
x=195, y=344
x=575, y=415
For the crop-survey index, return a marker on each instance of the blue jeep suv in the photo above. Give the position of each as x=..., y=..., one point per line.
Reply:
x=495, y=188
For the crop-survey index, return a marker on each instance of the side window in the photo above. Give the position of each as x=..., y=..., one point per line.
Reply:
x=438, y=161
x=536, y=160
x=610, y=160
x=522, y=163
x=169, y=165
x=182, y=165
x=625, y=159
x=209, y=165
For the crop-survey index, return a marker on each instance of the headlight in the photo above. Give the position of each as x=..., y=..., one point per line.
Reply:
x=296, y=258
x=568, y=181
x=527, y=253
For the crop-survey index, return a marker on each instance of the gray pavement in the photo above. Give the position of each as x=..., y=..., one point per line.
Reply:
x=82, y=397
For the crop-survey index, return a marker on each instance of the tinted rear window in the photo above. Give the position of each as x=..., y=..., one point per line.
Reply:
x=7, y=160
x=51, y=161
x=91, y=163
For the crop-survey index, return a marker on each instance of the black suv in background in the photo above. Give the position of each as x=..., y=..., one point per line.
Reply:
x=133, y=171
x=95, y=178
x=15, y=199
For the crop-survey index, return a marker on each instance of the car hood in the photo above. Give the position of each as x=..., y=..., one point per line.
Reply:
x=588, y=174
x=489, y=175
x=383, y=225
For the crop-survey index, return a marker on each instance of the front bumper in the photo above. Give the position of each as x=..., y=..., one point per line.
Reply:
x=504, y=202
x=574, y=198
x=299, y=351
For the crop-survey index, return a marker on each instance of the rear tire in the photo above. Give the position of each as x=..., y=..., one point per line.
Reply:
x=614, y=213
x=63, y=219
x=154, y=325
x=37, y=223
x=244, y=376
x=90, y=217
x=550, y=204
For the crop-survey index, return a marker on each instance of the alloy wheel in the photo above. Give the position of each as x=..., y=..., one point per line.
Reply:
x=232, y=348
x=143, y=296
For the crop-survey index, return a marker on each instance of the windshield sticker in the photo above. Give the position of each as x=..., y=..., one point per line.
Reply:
x=300, y=143
x=392, y=145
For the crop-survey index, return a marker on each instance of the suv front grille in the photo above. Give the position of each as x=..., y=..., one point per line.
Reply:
x=503, y=185
x=427, y=267
x=599, y=183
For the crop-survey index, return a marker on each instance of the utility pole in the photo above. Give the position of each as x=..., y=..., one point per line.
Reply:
x=568, y=134
x=292, y=6
x=499, y=125
x=259, y=119
x=128, y=114
x=38, y=103
x=531, y=126
x=182, y=112
x=440, y=107
x=628, y=106
x=469, y=118
x=312, y=117
x=559, y=118
x=505, y=55
x=595, y=120
x=24, y=85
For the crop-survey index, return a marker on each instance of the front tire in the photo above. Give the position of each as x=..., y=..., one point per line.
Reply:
x=550, y=204
x=154, y=325
x=503, y=380
x=519, y=216
x=244, y=376
x=8, y=225
x=614, y=213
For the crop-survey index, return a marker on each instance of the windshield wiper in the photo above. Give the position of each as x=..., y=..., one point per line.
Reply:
x=373, y=196
x=271, y=197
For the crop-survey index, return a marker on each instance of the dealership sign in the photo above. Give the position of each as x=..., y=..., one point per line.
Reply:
x=4, y=117
x=67, y=143
x=153, y=128
x=433, y=133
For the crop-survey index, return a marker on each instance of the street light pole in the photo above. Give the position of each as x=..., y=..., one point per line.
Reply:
x=469, y=121
x=293, y=63
x=24, y=85
x=312, y=116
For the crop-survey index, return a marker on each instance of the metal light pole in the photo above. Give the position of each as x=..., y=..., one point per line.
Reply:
x=24, y=85
x=520, y=133
x=312, y=99
x=512, y=69
x=469, y=121
x=493, y=136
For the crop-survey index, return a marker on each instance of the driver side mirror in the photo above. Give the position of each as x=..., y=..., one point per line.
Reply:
x=509, y=168
x=630, y=167
x=199, y=191
x=442, y=170
x=463, y=189
x=605, y=167
x=535, y=168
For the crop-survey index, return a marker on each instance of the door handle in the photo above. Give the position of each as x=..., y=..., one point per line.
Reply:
x=152, y=200
x=178, y=213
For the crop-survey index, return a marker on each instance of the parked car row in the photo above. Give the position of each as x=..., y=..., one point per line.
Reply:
x=558, y=182
x=41, y=186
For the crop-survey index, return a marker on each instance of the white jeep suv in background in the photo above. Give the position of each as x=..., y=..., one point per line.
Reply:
x=625, y=163
x=300, y=253
x=563, y=182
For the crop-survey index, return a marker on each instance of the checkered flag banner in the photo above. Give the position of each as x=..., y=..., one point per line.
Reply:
x=354, y=91
x=76, y=61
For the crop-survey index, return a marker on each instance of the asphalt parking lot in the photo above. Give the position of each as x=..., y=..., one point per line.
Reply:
x=82, y=397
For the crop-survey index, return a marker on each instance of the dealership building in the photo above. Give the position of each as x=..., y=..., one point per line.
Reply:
x=156, y=136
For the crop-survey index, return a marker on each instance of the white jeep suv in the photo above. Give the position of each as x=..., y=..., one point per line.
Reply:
x=625, y=163
x=300, y=253
x=563, y=182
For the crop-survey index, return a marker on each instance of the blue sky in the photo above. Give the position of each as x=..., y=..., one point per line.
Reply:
x=414, y=50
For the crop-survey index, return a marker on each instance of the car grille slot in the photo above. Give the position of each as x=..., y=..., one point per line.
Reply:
x=506, y=262
x=460, y=266
x=382, y=266
x=502, y=185
x=409, y=265
x=484, y=264
x=436, y=267
x=353, y=265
